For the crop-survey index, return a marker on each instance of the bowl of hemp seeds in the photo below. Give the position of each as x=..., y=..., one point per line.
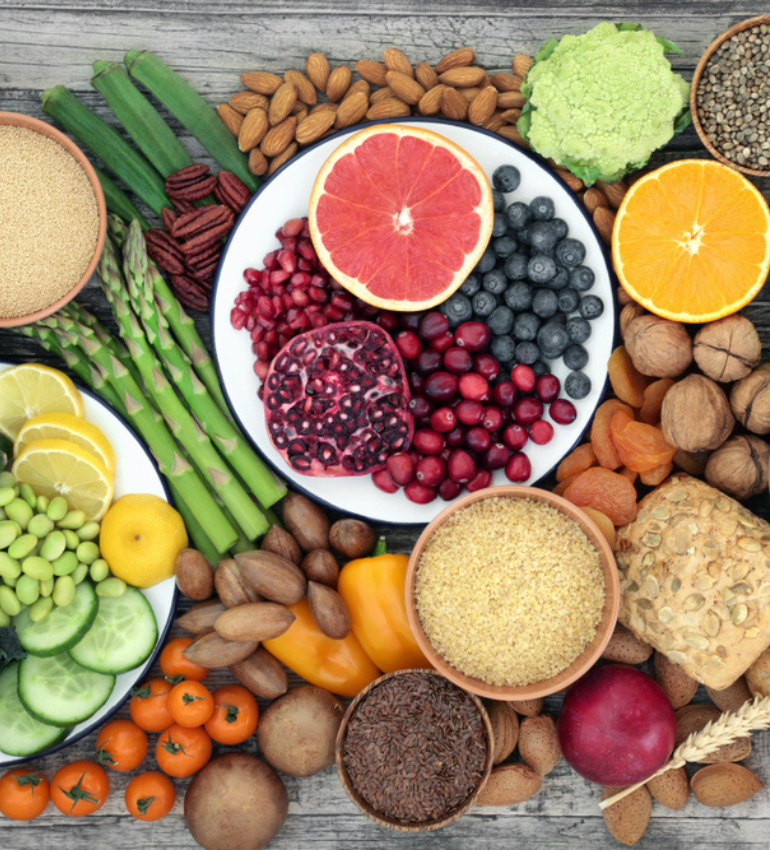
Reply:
x=730, y=97
x=52, y=216
x=512, y=593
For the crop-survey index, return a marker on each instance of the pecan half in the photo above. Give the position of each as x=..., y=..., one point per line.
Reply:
x=200, y=221
x=166, y=253
x=192, y=183
x=191, y=293
x=232, y=191
x=168, y=217
x=183, y=206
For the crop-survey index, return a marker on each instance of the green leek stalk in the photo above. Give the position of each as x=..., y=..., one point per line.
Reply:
x=118, y=201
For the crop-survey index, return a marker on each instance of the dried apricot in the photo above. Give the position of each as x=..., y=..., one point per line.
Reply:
x=578, y=460
x=605, y=491
x=640, y=447
x=653, y=400
x=601, y=439
x=604, y=522
x=692, y=462
x=627, y=381
x=562, y=485
x=630, y=474
x=653, y=477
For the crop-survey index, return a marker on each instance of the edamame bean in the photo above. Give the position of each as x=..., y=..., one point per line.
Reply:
x=7, y=495
x=81, y=571
x=3, y=514
x=40, y=526
x=63, y=591
x=8, y=533
x=65, y=564
x=7, y=479
x=27, y=589
x=99, y=570
x=9, y=567
x=11, y=582
x=22, y=546
x=72, y=540
x=5, y=620
x=87, y=552
x=89, y=531
x=42, y=504
x=19, y=511
x=41, y=609
x=73, y=520
x=37, y=567
x=9, y=602
x=57, y=509
x=28, y=494
x=53, y=546
x=112, y=587
x=46, y=587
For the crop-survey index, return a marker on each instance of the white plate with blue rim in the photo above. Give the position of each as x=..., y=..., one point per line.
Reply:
x=286, y=195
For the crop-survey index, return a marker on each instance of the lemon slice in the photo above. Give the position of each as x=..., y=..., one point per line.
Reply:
x=65, y=426
x=31, y=389
x=63, y=468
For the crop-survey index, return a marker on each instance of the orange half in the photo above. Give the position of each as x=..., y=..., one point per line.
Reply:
x=400, y=216
x=691, y=241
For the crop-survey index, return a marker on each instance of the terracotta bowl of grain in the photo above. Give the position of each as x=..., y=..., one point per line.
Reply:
x=54, y=235
x=512, y=593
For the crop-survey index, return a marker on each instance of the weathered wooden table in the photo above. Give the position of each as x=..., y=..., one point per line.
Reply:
x=211, y=44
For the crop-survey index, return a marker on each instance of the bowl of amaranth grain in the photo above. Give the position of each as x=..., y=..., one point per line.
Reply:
x=53, y=219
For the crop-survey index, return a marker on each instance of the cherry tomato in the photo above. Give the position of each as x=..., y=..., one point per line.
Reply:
x=121, y=745
x=79, y=788
x=190, y=704
x=173, y=663
x=24, y=794
x=150, y=796
x=148, y=705
x=235, y=715
x=181, y=751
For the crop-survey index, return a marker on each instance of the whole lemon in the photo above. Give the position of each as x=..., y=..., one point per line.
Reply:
x=141, y=536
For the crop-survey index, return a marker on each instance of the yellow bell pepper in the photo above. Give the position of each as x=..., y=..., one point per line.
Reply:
x=339, y=666
x=373, y=590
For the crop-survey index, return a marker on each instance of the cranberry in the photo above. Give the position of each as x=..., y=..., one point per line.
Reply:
x=477, y=439
x=388, y=321
x=493, y=419
x=527, y=410
x=486, y=366
x=504, y=394
x=562, y=411
x=420, y=407
x=443, y=343
x=443, y=419
x=428, y=442
x=523, y=377
x=469, y=412
x=440, y=386
x=515, y=437
x=431, y=471
x=417, y=383
x=455, y=437
x=458, y=360
x=400, y=468
x=547, y=388
x=496, y=456
x=433, y=325
x=430, y=361
x=408, y=345
x=384, y=482
x=541, y=432
x=472, y=386
x=449, y=489
x=461, y=466
x=482, y=479
x=473, y=335
x=518, y=469
x=410, y=321
x=419, y=493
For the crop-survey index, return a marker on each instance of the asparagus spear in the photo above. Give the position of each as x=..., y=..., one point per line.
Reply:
x=117, y=200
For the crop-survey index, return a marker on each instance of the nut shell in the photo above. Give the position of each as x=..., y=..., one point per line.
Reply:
x=306, y=522
x=728, y=349
x=256, y=621
x=201, y=617
x=696, y=415
x=732, y=698
x=528, y=707
x=758, y=675
x=272, y=576
x=628, y=819
x=721, y=785
x=262, y=673
x=194, y=576
x=505, y=728
x=693, y=718
x=539, y=744
x=230, y=587
x=509, y=784
x=658, y=347
x=739, y=467
x=321, y=566
x=671, y=789
x=353, y=538
x=280, y=542
x=678, y=686
x=626, y=648
x=750, y=400
x=212, y=651
x=328, y=610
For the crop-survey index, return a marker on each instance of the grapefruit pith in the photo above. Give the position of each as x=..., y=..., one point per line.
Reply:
x=400, y=215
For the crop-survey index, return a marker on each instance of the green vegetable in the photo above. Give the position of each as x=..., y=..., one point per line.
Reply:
x=118, y=201
x=10, y=647
x=602, y=102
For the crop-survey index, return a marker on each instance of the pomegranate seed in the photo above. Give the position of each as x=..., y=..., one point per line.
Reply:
x=265, y=321
x=458, y=360
x=342, y=301
x=518, y=469
x=473, y=335
x=318, y=281
x=304, y=265
x=263, y=350
x=527, y=410
x=433, y=325
x=443, y=420
x=389, y=321
x=252, y=277
x=320, y=296
x=400, y=468
x=265, y=307
x=547, y=388
x=472, y=386
x=428, y=442
x=411, y=321
x=431, y=471
x=270, y=260
x=455, y=437
x=287, y=260
x=300, y=297
x=420, y=407
x=541, y=432
x=419, y=493
x=408, y=345
x=293, y=226
x=289, y=242
x=493, y=419
x=332, y=314
x=477, y=439
x=515, y=437
x=481, y=480
x=487, y=366
x=440, y=386
x=279, y=276
x=307, y=250
x=300, y=279
x=523, y=377
x=383, y=481
x=449, y=489
x=317, y=320
x=238, y=319
x=261, y=368
x=443, y=343
x=469, y=412
x=496, y=456
x=562, y=411
x=461, y=466
x=428, y=361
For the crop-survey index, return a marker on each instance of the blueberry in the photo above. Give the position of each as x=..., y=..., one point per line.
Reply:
x=500, y=320
x=506, y=178
x=542, y=236
x=561, y=227
x=517, y=215
x=526, y=326
x=503, y=348
x=499, y=225
x=575, y=356
x=498, y=201
x=527, y=353
x=541, y=269
x=471, y=285
x=544, y=303
x=591, y=307
x=543, y=209
x=579, y=329
x=568, y=300
x=581, y=278
x=569, y=252
x=457, y=309
x=540, y=367
x=486, y=263
x=559, y=317
x=552, y=339
x=560, y=279
x=494, y=282
x=523, y=235
x=516, y=266
x=518, y=297
x=483, y=304
x=577, y=385
x=504, y=246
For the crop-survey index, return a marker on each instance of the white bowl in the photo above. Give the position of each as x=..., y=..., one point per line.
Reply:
x=286, y=195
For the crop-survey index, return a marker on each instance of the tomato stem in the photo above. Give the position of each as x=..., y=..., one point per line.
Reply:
x=232, y=714
x=32, y=779
x=144, y=804
x=77, y=793
x=174, y=680
x=172, y=747
x=189, y=698
x=103, y=756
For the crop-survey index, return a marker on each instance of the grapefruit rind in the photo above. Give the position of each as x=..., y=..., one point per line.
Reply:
x=358, y=190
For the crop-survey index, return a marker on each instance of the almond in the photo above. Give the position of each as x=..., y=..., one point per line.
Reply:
x=300, y=111
x=510, y=116
x=372, y=72
x=626, y=648
x=604, y=220
x=321, y=566
x=672, y=788
x=257, y=621
x=280, y=542
x=243, y=101
x=324, y=106
x=469, y=93
x=230, y=586
x=539, y=744
x=396, y=60
x=272, y=576
x=194, y=576
x=230, y=118
x=455, y=59
x=732, y=698
x=509, y=784
x=511, y=100
x=359, y=87
x=693, y=718
x=253, y=129
x=305, y=89
x=257, y=162
x=430, y=102
x=721, y=785
x=339, y=81
x=262, y=82
x=453, y=105
x=505, y=728
x=506, y=82
x=200, y=618
x=391, y=107
x=305, y=521
x=281, y=103
x=317, y=69
x=513, y=135
x=351, y=110
x=615, y=192
x=572, y=180
x=405, y=88
x=678, y=686
x=314, y=126
x=627, y=819
x=521, y=64
x=594, y=198
x=425, y=75
x=212, y=651
x=278, y=138
x=463, y=77
x=494, y=123
x=482, y=107
x=328, y=610
x=528, y=707
x=262, y=674
x=381, y=94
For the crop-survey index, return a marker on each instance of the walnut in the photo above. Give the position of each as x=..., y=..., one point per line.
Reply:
x=728, y=349
x=739, y=467
x=750, y=400
x=628, y=314
x=696, y=415
x=658, y=348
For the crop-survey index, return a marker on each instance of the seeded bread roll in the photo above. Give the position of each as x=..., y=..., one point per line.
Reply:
x=695, y=579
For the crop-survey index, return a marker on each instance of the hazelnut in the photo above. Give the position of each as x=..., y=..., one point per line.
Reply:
x=739, y=467
x=628, y=314
x=750, y=400
x=658, y=348
x=728, y=349
x=696, y=415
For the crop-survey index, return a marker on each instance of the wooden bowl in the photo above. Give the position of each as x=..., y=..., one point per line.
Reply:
x=16, y=119
x=587, y=658
x=704, y=60
x=378, y=817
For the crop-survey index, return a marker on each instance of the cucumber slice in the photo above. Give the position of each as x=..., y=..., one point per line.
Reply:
x=62, y=628
x=20, y=733
x=57, y=691
x=122, y=636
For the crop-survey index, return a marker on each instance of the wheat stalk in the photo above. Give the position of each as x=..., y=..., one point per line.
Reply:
x=750, y=717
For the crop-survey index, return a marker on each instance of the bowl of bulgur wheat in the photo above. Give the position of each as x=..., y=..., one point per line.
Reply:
x=512, y=593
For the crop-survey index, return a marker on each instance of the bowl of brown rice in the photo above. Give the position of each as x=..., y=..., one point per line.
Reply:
x=52, y=216
x=512, y=593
